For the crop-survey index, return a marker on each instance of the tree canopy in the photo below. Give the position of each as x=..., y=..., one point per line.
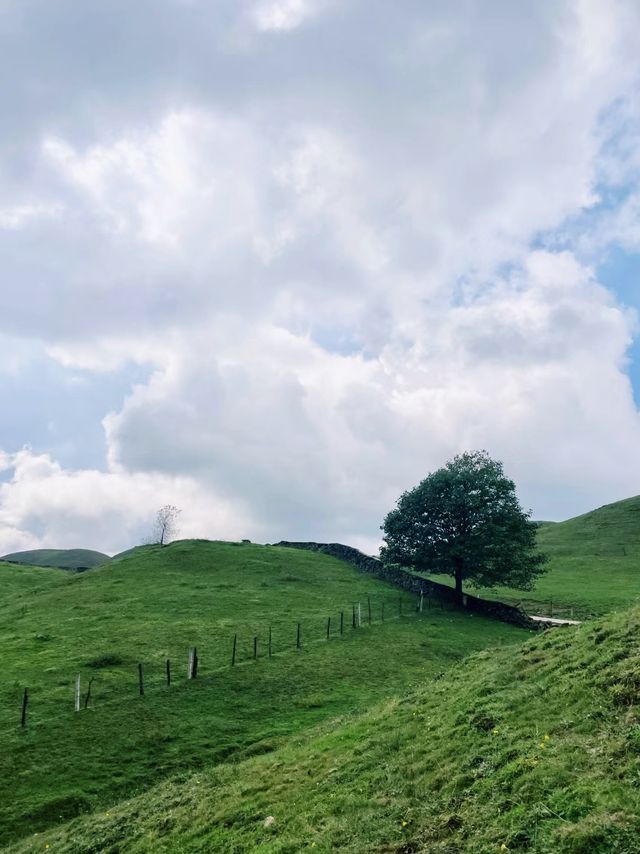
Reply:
x=465, y=520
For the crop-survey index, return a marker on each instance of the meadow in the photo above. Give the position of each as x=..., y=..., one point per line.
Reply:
x=437, y=731
x=153, y=604
x=528, y=747
x=594, y=565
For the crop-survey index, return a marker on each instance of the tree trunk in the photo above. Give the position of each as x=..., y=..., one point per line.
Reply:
x=458, y=563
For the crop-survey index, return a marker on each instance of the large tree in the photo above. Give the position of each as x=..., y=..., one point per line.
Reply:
x=465, y=520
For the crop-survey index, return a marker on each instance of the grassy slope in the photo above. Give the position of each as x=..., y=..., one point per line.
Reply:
x=525, y=748
x=594, y=567
x=61, y=558
x=154, y=604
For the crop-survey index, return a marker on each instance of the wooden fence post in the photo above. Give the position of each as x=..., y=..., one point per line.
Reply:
x=421, y=600
x=255, y=647
x=233, y=651
x=190, y=664
x=194, y=667
x=341, y=622
x=328, y=627
x=77, y=696
x=359, y=614
x=25, y=700
x=353, y=617
x=140, y=680
x=269, y=641
x=298, y=637
x=168, y=671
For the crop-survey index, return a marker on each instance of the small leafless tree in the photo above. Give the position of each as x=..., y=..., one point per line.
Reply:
x=166, y=524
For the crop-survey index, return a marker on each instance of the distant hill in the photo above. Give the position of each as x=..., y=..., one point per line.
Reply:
x=59, y=558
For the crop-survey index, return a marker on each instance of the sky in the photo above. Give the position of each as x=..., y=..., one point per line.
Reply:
x=274, y=261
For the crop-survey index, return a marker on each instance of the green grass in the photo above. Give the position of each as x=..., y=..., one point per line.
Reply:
x=594, y=564
x=154, y=604
x=61, y=558
x=534, y=747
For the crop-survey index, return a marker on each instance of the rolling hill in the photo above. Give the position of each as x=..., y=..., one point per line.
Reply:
x=435, y=732
x=154, y=604
x=59, y=558
x=533, y=747
x=594, y=564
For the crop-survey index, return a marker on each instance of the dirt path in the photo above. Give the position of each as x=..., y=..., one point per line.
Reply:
x=555, y=621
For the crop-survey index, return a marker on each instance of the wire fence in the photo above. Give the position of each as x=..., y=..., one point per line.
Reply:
x=107, y=681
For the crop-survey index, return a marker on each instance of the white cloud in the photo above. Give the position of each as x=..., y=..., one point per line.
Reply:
x=43, y=505
x=18, y=216
x=282, y=15
x=325, y=248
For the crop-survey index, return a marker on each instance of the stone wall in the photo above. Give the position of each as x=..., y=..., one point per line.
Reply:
x=414, y=583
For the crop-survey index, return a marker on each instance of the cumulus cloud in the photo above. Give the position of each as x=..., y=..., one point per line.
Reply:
x=344, y=241
x=42, y=503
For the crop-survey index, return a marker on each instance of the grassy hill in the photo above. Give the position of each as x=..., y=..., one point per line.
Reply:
x=155, y=603
x=534, y=747
x=594, y=564
x=61, y=558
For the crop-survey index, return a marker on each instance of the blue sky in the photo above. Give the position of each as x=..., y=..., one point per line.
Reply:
x=620, y=272
x=273, y=261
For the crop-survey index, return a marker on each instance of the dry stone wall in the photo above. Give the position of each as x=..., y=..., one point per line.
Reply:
x=415, y=583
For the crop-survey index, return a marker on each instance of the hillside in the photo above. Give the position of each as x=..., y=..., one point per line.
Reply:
x=594, y=564
x=533, y=747
x=154, y=604
x=60, y=558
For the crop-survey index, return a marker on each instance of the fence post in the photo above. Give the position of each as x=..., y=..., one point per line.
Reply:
x=353, y=617
x=77, y=696
x=25, y=700
x=269, y=641
x=194, y=666
x=421, y=600
x=140, y=680
x=233, y=651
x=359, y=614
x=190, y=664
x=341, y=622
x=298, y=637
x=328, y=627
x=168, y=669
x=255, y=647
